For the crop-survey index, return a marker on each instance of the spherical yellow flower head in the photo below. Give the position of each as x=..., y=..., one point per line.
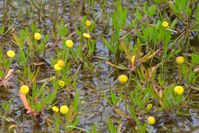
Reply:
x=64, y=109
x=87, y=35
x=37, y=36
x=24, y=89
x=69, y=43
x=179, y=90
x=10, y=53
x=88, y=23
x=123, y=78
x=61, y=83
x=149, y=106
x=57, y=67
x=55, y=109
x=165, y=24
x=180, y=59
x=151, y=120
x=133, y=60
x=61, y=63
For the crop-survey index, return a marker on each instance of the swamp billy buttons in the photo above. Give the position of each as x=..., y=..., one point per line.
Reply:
x=10, y=53
x=165, y=24
x=123, y=79
x=180, y=60
x=88, y=23
x=69, y=43
x=37, y=36
x=179, y=90
x=24, y=89
x=63, y=109
x=59, y=65
x=151, y=120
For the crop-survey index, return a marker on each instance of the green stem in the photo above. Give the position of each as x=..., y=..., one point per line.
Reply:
x=179, y=73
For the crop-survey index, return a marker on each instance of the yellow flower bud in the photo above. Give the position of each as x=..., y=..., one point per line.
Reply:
x=69, y=43
x=57, y=67
x=133, y=60
x=37, y=36
x=10, y=53
x=87, y=35
x=61, y=63
x=123, y=78
x=180, y=59
x=24, y=89
x=88, y=23
x=61, y=83
x=179, y=90
x=149, y=106
x=151, y=120
x=55, y=109
x=165, y=24
x=64, y=109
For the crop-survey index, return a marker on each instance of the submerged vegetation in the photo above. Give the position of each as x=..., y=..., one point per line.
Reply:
x=99, y=66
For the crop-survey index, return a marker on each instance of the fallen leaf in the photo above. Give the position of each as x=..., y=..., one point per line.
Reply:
x=26, y=104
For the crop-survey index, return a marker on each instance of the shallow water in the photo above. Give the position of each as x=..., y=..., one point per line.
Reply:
x=93, y=87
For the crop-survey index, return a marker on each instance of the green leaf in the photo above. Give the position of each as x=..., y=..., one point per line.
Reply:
x=94, y=129
x=33, y=27
x=76, y=102
x=78, y=32
x=119, y=17
x=42, y=89
x=62, y=29
x=111, y=126
x=151, y=10
x=43, y=43
x=157, y=1
x=138, y=15
x=22, y=58
x=113, y=98
x=1, y=29
x=180, y=5
x=197, y=15
x=195, y=59
x=109, y=45
x=34, y=89
x=173, y=23
x=1, y=73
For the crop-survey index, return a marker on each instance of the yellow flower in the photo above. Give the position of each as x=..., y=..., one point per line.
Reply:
x=24, y=89
x=37, y=36
x=180, y=59
x=61, y=63
x=61, y=83
x=10, y=53
x=133, y=60
x=64, y=109
x=55, y=109
x=87, y=35
x=179, y=90
x=151, y=120
x=69, y=43
x=165, y=24
x=88, y=23
x=123, y=78
x=57, y=67
x=149, y=106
